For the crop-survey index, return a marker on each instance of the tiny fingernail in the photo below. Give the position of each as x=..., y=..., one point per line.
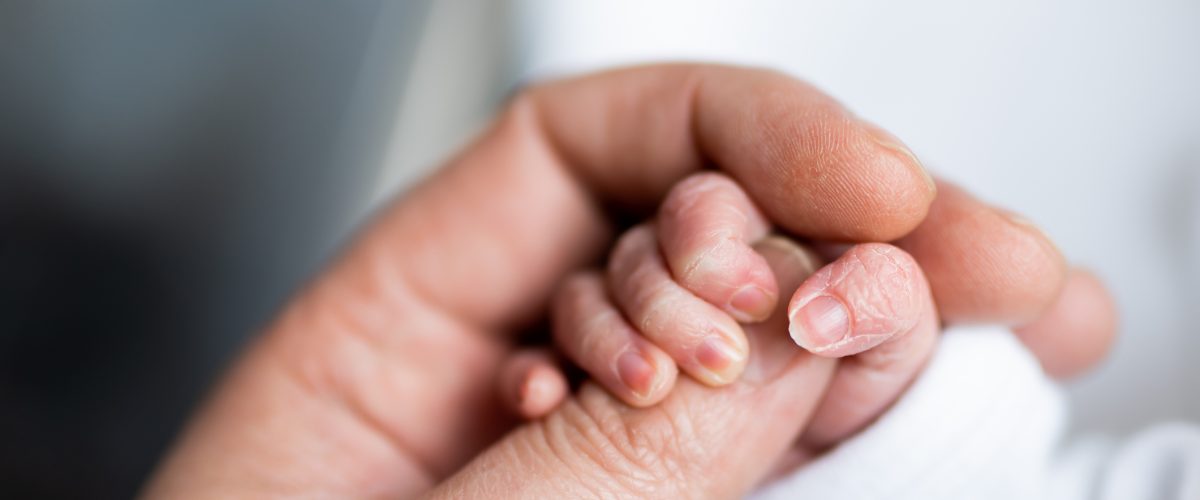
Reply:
x=889, y=142
x=717, y=356
x=751, y=303
x=636, y=372
x=819, y=323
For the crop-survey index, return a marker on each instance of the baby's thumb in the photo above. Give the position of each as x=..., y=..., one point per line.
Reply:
x=700, y=442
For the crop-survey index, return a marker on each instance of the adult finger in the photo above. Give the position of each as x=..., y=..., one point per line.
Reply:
x=871, y=294
x=1078, y=330
x=985, y=265
x=536, y=188
x=989, y=265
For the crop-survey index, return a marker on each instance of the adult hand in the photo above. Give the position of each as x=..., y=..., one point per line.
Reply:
x=377, y=380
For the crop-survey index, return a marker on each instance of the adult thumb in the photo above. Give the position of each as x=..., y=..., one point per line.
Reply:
x=700, y=442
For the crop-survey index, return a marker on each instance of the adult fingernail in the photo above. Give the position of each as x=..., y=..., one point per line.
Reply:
x=720, y=359
x=1018, y=219
x=889, y=142
x=820, y=323
x=751, y=303
x=1023, y=222
x=636, y=372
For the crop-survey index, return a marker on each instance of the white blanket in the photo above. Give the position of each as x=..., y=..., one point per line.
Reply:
x=984, y=422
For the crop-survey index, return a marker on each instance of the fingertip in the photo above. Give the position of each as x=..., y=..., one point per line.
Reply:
x=771, y=352
x=869, y=295
x=737, y=280
x=647, y=374
x=721, y=360
x=751, y=303
x=900, y=151
x=900, y=191
x=826, y=174
x=1047, y=271
x=1078, y=330
x=543, y=388
x=821, y=325
x=522, y=371
x=594, y=334
x=984, y=264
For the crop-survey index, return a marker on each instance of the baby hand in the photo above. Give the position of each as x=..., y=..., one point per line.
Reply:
x=675, y=290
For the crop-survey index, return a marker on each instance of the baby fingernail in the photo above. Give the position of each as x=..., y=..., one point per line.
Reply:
x=636, y=372
x=819, y=323
x=751, y=303
x=718, y=356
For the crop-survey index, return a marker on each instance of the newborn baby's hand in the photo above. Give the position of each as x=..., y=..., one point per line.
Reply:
x=676, y=289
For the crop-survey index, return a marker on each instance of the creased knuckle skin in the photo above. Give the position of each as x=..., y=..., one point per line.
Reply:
x=689, y=193
x=628, y=248
x=684, y=208
x=615, y=453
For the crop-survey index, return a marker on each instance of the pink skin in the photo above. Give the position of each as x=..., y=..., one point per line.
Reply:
x=375, y=381
x=883, y=321
x=705, y=341
x=592, y=332
x=705, y=227
x=871, y=307
x=867, y=296
x=531, y=384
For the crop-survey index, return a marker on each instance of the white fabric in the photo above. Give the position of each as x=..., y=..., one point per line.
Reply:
x=983, y=422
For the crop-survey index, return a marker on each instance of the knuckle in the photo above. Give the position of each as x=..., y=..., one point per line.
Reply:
x=668, y=315
x=710, y=262
x=704, y=226
x=694, y=192
x=647, y=294
x=602, y=445
x=574, y=312
x=630, y=246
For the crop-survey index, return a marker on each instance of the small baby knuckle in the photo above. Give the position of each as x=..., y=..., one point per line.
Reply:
x=630, y=246
x=693, y=192
x=595, y=441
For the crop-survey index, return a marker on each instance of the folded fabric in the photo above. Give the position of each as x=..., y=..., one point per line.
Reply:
x=984, y=422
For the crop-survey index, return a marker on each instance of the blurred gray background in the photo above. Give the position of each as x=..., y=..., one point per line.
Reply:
x=171, y=171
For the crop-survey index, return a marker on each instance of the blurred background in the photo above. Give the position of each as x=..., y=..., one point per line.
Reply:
x=170, y=172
